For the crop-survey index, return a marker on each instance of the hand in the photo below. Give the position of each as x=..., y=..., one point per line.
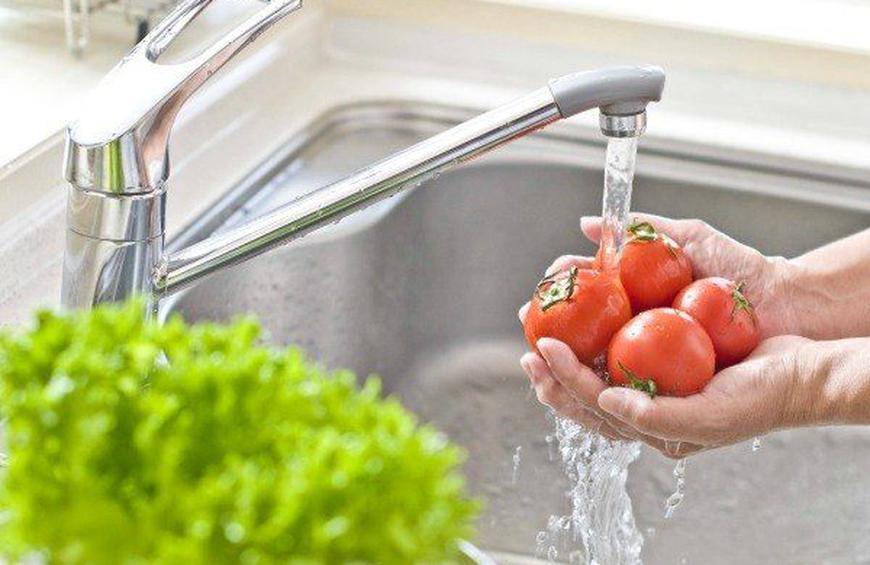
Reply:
x=572, y=390
x=757, y=396
x=750, y=399
x=715, y=254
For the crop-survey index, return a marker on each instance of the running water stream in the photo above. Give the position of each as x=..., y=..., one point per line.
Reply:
x=616, y=202
x=600, y=527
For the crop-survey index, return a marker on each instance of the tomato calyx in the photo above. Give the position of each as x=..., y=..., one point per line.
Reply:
x=645, y=232
x=556, y=288
x=741, y=302
x=645, y=385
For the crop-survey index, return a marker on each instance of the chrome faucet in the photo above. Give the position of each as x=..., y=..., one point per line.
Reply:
x=117, y=162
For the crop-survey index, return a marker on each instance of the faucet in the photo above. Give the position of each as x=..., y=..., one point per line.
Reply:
x=117, y=161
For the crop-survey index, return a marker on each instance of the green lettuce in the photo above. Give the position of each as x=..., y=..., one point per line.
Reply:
x=134, y=442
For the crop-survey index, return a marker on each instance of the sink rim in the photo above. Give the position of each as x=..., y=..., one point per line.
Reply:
x=570, y=143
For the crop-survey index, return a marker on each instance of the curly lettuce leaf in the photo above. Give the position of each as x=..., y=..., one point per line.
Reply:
x=134, y=442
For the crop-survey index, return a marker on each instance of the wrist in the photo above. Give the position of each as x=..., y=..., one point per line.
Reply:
x=834, y=377
x=805, y=299
x=786, y=290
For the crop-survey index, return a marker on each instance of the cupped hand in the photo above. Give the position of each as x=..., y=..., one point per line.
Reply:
x=572, y=389
x=740, y=402
x=714, y=254
x=750, y=399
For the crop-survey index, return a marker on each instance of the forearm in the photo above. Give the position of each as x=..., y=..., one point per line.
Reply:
x=834, y=382
x=827, y=291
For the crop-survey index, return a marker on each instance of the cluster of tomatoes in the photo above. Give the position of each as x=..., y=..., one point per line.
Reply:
x=680, y=330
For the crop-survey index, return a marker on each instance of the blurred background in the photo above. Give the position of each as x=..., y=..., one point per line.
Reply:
x=53, y=51
x=764, y=131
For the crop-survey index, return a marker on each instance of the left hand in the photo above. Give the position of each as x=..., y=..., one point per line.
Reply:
x=750, y=399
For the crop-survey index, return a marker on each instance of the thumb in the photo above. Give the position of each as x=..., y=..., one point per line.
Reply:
x=684, y=419
x=591, y=228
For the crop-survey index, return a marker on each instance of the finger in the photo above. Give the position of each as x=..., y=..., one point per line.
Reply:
x=566, y=261
x=689, y=419
x=585, y=387
x=552, y=394
x=679, y=230
x=534, y=366
x=591, y=228
x=524, y=309
x=580, y=380
x=539, y=373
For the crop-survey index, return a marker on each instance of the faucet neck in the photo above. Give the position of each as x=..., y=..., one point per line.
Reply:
x=117, y=198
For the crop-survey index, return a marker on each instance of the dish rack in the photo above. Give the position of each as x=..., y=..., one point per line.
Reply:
x=77, y=16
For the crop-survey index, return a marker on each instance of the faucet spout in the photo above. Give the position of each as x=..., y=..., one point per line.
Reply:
x=117, y=162
x=626, y=90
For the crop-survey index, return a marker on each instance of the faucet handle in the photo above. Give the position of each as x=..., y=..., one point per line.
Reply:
x=119, y=143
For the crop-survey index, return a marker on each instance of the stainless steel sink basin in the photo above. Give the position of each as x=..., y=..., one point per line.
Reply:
x=423, y=290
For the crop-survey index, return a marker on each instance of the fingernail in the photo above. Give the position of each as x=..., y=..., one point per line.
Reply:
x=525, y=365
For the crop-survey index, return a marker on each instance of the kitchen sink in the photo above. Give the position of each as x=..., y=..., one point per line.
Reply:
x=423, y=289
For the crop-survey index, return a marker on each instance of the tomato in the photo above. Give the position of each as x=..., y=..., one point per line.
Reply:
x=653, y=268
x=727, y=315
x=662, y=351
x=581, y=307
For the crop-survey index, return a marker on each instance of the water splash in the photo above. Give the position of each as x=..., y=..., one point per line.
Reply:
x=676, y=499
x=516, y=468
x=601, y=526
x=756, y=444
x=551, y=446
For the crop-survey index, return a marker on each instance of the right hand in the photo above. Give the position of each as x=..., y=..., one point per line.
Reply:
x=714, y=254
x=572, y=389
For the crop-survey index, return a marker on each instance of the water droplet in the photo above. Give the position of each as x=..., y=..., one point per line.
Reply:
x=551, y=447
x=756, y=444
x=516, y=468
x=676, y=498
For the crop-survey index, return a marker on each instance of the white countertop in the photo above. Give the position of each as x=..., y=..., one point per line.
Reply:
x=732, y=93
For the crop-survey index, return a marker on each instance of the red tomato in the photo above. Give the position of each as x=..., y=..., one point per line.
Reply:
x=727, y=315
x=653, y=268
x=662, y=351
x=580, y=307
